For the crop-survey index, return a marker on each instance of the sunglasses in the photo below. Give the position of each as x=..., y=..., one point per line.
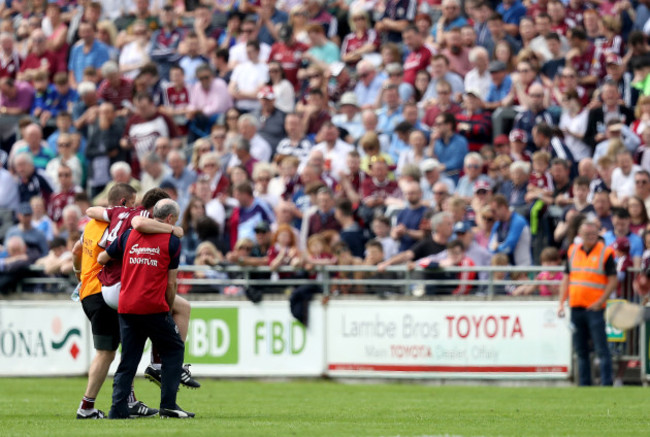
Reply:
x=487, y=219
x=641, y=182
x=64, y=144
x=65, y=175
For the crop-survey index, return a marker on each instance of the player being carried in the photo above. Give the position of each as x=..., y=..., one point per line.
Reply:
x=122, y=218
x=103, y=319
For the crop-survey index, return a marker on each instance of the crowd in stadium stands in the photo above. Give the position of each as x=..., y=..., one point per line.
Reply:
x=330, y=132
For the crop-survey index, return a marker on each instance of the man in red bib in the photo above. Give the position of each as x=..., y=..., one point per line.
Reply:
x=149, y=267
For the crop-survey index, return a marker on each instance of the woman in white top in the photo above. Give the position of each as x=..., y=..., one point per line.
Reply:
x=247, y=79
x=285, y=95
x=573, y=122
x=135, y=54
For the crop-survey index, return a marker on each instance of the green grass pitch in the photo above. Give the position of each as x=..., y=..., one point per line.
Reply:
x=47, y=406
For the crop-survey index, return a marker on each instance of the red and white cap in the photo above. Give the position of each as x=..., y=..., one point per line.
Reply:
x=518, y=135
x=613, y=58
x=266, y=93
x=481, y=185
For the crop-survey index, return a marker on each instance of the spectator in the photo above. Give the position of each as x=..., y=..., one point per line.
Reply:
x=84, y=112
x=473, y=164
x=638, y=215
x=144, y=127
x=451, y=18
x=516, y=188
x=65, y=193
x=440, y=71
x=623, y=184
x=573, y=123
x=40, y=58
x=381, y=228
x=368, y=86
x=16, y=99
x=536, y=113
x=193, y=58
x=407, y=229
x=248, y=214
x=120, y=174
x=283, y=251
x=376, y=189
x=334, y=149
x=457, y=55
x=295, y=144
x=262, y=174
x=247, y=79
x=288, y=52
x=544, y=139
x=87, y=52
x=69, y=228
x=550, y=257
x=441, y=231
x=208, y=99
x=324, y=218
x=444, y=103
x=610, y=110
x=35, y=147
x=473, y=123
x=31, y=181
x=621, y=221
x=15, y=266
x=351, y=233
x=361, y=41
x=65, y=157
x=478, y=78
x=374, y=255
x=580, y=206
x=419, y=55
x=163, y=49
x=40, y=219
x=642, y=186
x=449, y=147
x=33, y=238
x=510, y=234
x=283, y=90
x=271, y=118
x=415, y=154
x=453, y=256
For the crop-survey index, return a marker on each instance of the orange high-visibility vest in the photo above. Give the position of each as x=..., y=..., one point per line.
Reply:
x=93, y=233
x=587, y=280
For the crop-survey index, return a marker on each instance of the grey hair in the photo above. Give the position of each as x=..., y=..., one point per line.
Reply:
x=242, y=143
x=473, y=156
x=153, y=158
x=86, y=87
x=437, y=219
x=72, y=207
x=475, y=52
x=109, y=67
x=166, y=207
x=24, y=156
x=248, y=118
x=120, y=165
x=520, y=165
x=178, y=153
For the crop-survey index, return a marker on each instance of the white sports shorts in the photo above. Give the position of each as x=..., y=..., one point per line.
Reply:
x=111, y=294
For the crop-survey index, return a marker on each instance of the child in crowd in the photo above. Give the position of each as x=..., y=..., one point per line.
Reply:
x=550, y=256
x=501, y=260
x=381, y=228
x=207, y=254
x=57, y=257
x=375, y=255
x=345, y=258
x=283, y=251
x=453, y=256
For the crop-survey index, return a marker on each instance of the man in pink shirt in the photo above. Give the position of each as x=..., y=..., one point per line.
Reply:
x=209, y=98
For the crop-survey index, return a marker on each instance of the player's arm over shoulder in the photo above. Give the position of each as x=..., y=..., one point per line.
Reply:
x=147, y=225
x=98, y=213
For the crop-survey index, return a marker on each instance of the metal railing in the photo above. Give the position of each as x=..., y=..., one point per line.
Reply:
x=406, y=280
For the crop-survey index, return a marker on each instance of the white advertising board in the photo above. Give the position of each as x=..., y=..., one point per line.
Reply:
x=447, y=340
x=241, y=339
x=44, y=339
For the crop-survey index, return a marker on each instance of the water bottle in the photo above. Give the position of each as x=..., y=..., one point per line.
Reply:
x=75, y=294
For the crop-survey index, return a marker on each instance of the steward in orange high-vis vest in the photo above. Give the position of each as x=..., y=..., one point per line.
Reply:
x=589, y=281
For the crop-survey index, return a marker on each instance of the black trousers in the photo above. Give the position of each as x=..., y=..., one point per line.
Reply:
x=134, y=331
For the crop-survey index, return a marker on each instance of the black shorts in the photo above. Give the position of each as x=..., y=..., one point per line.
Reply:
x=103, y=321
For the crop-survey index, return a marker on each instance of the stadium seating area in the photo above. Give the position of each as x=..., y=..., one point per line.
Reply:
x=302, y=134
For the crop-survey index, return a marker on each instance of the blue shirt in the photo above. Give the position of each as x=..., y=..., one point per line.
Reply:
x=328, y=53
x=386, y=122
x=250, y=217
x=367, y=95
x=189, y=66
x=411, y=218
x=512, y=15
x=61, y=102
x=397, y=146
x=498, y=93
x=636, y=244
x=278, y=17
x=452, y=154
x=509, y=235
x=79, y=60
x=459, y=21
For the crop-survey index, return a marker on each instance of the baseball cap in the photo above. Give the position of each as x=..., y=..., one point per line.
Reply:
x=429, y=164
x=613, y=58
x=518, y=135
x=501, y=139
x=168, y=185
x=496, y=66
x=25, y=208
x=461, y=227
x=482, y=185
x=266, y=93
x=262, y=226
x=621, y=244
